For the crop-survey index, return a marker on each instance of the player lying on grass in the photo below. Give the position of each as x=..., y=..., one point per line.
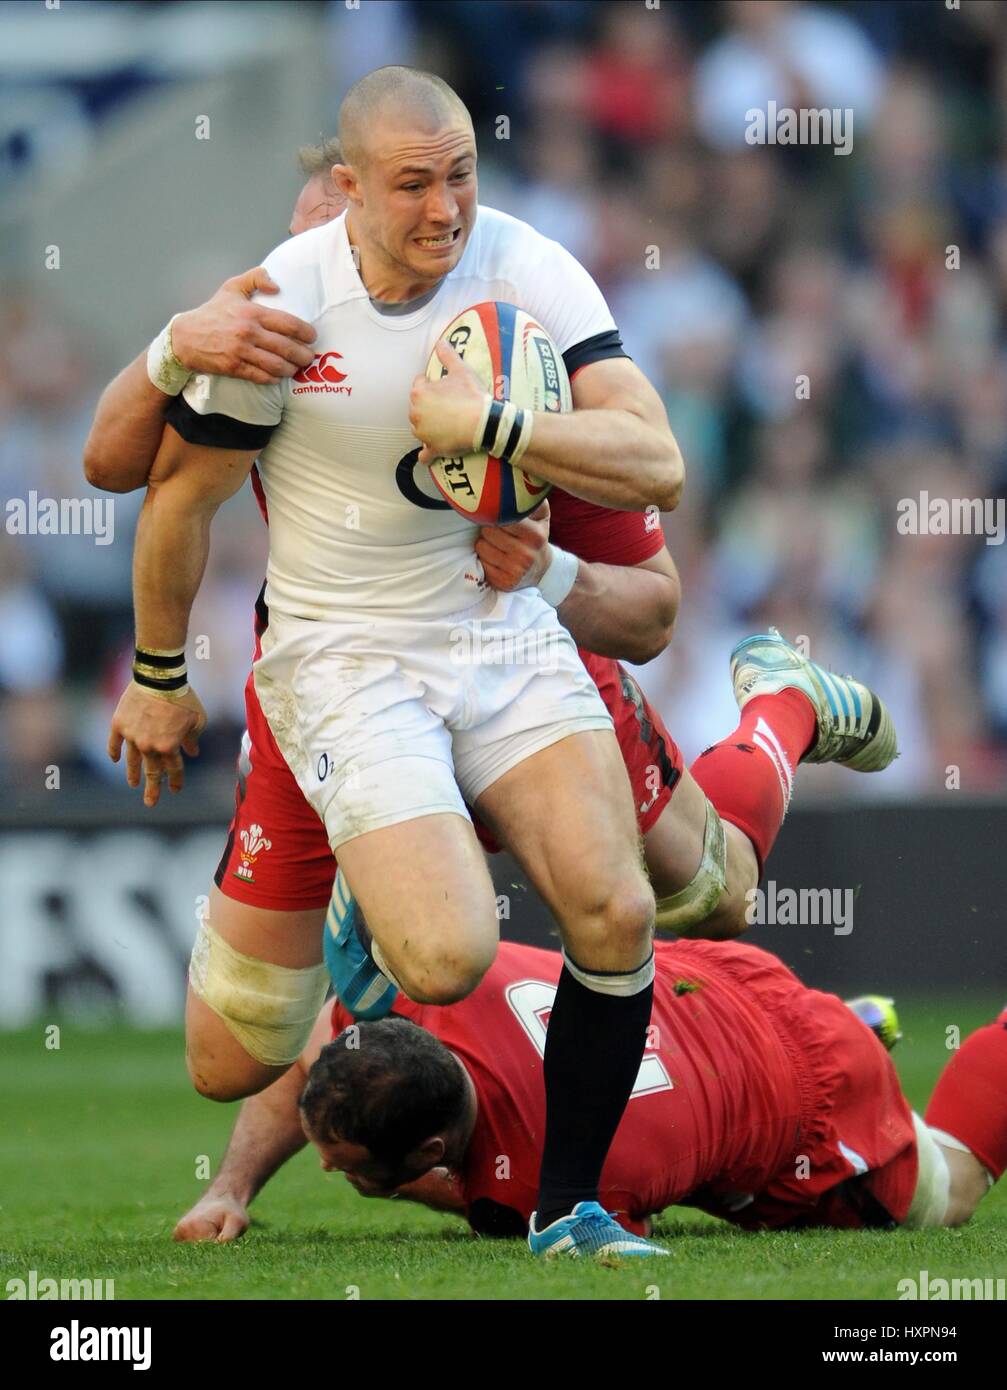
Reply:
x=758, y=1100
x=704, y=847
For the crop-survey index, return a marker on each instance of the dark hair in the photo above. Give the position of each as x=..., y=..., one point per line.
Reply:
x=387, y=1085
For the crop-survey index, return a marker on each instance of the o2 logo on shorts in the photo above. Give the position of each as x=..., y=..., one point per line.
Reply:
x=324, y=767
x=416, y=484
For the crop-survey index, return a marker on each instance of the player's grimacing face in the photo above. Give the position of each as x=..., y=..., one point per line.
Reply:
x=420, y=196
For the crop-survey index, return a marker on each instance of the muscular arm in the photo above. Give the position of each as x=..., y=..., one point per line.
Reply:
x=266, y=1134
x=229, y=335
x=616, y=448
x=126, y=432
x=623, y=611
x=187, y=485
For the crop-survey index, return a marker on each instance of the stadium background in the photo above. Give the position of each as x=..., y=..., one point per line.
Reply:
x=625, y=131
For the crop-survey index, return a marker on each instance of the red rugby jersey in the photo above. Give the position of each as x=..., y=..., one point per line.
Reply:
x=602, y=534
x=716, y=1097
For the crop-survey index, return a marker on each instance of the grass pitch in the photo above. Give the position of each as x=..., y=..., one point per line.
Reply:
x=99, y=1145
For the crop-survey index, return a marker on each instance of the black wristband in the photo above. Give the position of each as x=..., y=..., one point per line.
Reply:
x=514, y=436
x=159, y=670
x=492, y=425
x=160, y=682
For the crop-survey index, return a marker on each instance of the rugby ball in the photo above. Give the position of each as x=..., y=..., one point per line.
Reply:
x=514, y=357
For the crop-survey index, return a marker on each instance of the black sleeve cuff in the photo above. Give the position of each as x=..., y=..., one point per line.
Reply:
x=216, y=431
x=596, y=349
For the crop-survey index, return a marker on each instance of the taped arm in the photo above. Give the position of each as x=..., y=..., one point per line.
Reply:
x=608, y=573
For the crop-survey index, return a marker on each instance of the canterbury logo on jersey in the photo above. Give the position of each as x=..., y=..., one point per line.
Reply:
x=322, y=375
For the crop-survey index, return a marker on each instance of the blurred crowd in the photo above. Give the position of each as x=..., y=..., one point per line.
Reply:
x=827, y=332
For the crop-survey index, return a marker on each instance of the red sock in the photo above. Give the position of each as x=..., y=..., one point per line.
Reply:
x=970, y=1099
x=750, y=774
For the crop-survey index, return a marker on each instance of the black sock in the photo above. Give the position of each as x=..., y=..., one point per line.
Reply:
x=594, y=1045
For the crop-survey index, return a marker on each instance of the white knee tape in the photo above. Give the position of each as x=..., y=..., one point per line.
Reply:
x=697, y=899
x=933, y=1181
x=270, y=1009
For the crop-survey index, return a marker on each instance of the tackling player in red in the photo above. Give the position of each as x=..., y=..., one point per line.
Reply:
x=758, y=1100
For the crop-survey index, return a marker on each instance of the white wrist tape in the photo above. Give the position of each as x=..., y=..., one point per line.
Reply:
x=560, y=577
x=161, y=672
x=163, y=367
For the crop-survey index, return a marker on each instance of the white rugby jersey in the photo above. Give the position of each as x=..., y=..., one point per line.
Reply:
x=355, y=526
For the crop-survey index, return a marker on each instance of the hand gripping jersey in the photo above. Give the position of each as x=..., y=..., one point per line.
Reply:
x=356, y=529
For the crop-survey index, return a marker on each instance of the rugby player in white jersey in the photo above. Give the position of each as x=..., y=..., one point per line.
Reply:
x=427, y=978
x=368, y=593
x=707, y=831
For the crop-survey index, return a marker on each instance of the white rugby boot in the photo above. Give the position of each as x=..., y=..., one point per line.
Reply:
x=854, y=726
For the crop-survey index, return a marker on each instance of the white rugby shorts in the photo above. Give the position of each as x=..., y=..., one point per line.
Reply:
x=384, y=721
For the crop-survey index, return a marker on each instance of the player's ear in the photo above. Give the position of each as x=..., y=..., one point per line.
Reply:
x=346, y=183
x=431, y=1152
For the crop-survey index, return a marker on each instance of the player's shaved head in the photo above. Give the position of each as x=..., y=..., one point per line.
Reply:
x=398, y=94
x=408, y=176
